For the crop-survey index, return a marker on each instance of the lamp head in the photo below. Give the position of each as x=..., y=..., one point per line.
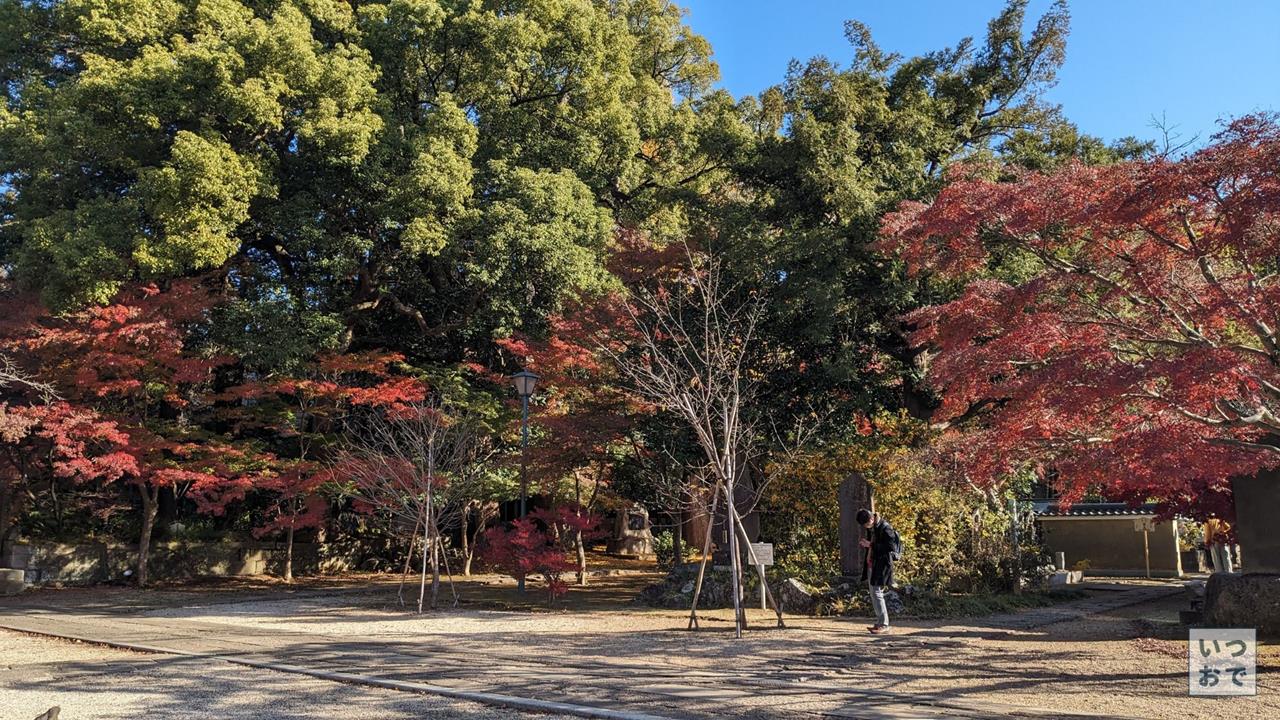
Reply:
x=525, y=382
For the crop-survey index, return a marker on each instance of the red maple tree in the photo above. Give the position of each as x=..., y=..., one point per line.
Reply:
x=299, y=414
x=585, y=409
x=536, y=545
x=42, y=442
x=125, y=373
x=1119, y=323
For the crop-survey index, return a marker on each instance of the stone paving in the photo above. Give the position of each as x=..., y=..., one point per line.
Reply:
x=652, y=670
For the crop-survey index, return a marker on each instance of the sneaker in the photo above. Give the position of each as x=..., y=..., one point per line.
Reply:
x=879, y=629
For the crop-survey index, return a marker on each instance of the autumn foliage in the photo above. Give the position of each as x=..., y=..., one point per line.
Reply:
x=128, y=389
x=535, y=546
x=1118, y=325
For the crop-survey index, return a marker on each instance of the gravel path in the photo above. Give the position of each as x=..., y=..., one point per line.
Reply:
x=91, y=682
x=1107, y=663
x=1116, y=662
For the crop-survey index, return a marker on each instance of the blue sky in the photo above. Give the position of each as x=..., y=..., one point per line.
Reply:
x=1191, y=61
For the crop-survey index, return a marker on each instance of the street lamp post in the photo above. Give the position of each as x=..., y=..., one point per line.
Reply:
x=524, y=381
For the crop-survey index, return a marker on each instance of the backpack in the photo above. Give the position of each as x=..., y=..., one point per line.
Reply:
x=895, y=543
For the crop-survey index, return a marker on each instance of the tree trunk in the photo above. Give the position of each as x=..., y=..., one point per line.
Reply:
x=435, y=562
x=288, y=555
x=12, y=499
x=735, y=565
x=150, y=503
x=422, y=582
x=9, y=497
x=677, y=541
x=485, y=511
x=582, y=558
x=577, y=534
x=466, y=545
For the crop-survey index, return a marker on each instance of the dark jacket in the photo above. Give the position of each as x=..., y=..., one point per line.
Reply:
x=884, y=545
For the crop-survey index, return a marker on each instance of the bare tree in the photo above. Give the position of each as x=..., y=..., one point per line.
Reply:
x=693, y=337
x=411, y=465
x=473, y=492
x=14, y=379
x=13, y=376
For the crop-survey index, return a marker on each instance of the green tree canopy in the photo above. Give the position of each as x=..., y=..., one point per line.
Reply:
x=830, y=150
x=419, y=174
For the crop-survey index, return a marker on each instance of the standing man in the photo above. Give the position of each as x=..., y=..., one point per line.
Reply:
x=885, y=549
x=1216, y=536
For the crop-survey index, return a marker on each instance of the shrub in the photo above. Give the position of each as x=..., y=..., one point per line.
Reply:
x=525, y=548
x=955, y=537
x=664, y=548
x=538, y=545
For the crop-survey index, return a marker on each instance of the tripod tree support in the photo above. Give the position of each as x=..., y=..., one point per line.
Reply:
x=742, y=530
x=706, y=553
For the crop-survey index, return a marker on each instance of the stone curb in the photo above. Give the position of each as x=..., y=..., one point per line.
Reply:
x=985, y=708
x=509, y=701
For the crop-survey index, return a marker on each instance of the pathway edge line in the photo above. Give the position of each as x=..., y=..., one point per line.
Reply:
x=493, y=699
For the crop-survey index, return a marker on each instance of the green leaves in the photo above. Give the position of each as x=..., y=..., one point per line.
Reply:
x=451, y=165
x=832, y=149
x=122, y=23
x=196, y=200
x=138, y=141
x=435, y=190
x=541, y=241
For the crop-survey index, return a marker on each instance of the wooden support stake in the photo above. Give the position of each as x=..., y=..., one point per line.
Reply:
x=754, y=561
x=447, y=571
x=706, y=551
x=1146, y=550
x=413, y=540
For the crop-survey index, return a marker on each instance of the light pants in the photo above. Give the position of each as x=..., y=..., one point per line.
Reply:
x=877, y=604
x=1220, y=553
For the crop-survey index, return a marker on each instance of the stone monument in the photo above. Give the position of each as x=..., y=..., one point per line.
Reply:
x=631, y=533
x=854, y=493
x=1257, y=502
x=1251, y=598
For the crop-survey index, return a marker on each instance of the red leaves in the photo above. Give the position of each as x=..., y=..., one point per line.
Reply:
x=130, y=352
x=394, y=394
x=528, y=547
x=81, y=444
x=332, y=382
x=1135, y=349
x=584, y=408
x=305, y=407
x=140, y=405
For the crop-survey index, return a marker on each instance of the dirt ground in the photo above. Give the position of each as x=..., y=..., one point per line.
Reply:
x=89, y=682
x=1126, y=662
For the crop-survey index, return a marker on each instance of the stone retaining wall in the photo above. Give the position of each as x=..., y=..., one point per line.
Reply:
x=88, y=563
